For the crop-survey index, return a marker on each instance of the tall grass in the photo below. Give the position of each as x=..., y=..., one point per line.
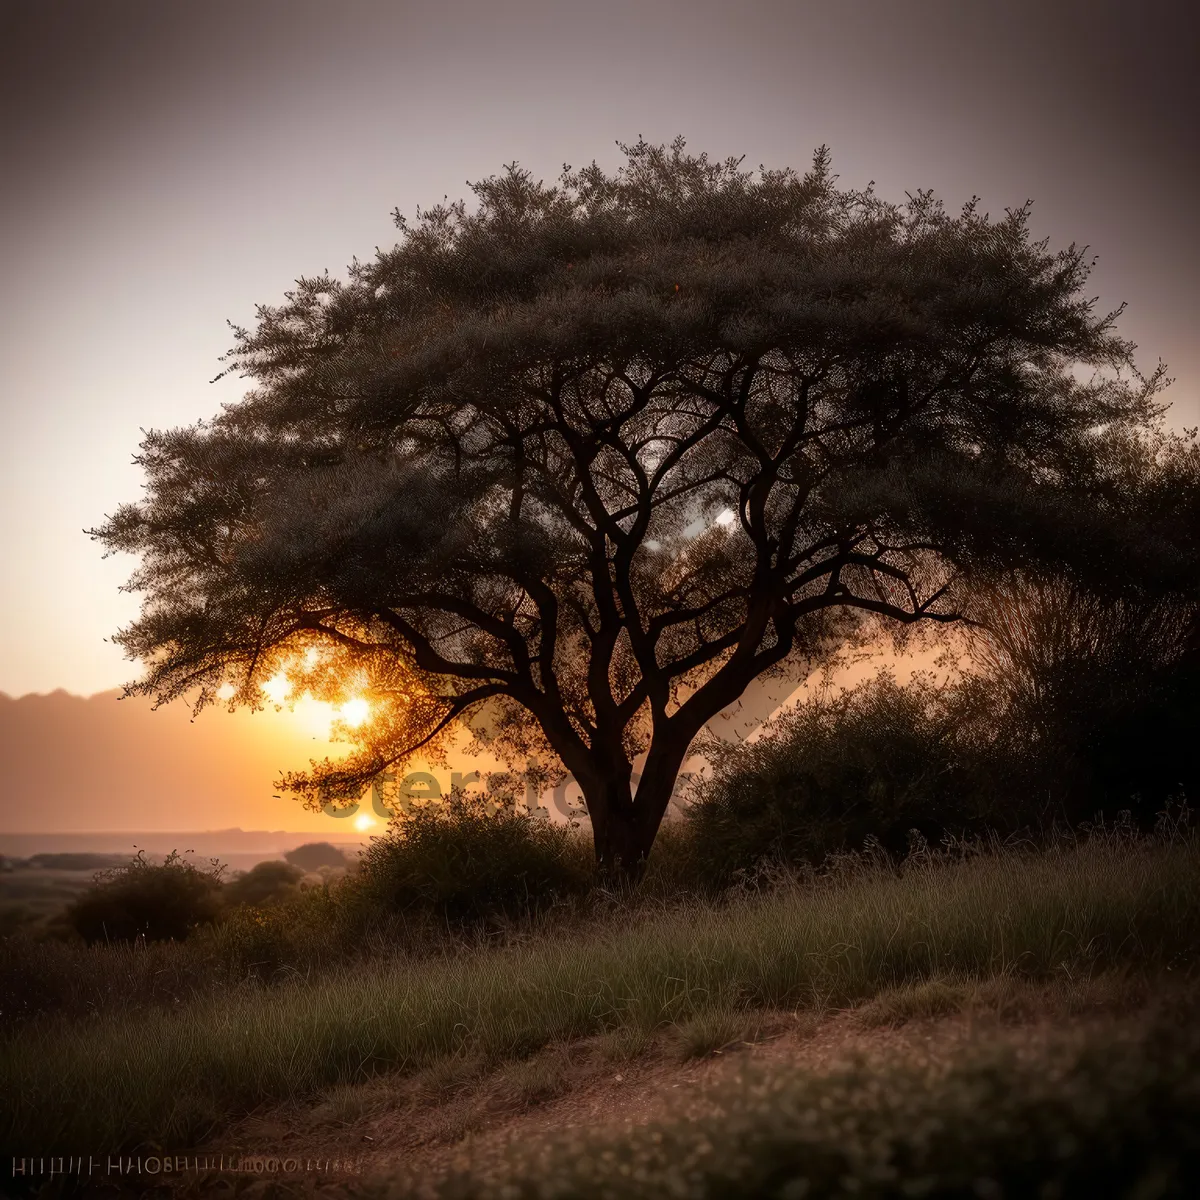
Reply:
x=169, y=1078
x=326, y=930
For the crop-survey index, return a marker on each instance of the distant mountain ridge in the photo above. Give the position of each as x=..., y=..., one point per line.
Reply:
x=203, y=843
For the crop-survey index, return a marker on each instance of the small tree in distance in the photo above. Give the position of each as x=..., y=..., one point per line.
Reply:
x=577, y=468
x=312, y=856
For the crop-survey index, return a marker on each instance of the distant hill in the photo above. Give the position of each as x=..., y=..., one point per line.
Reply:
x=224, y=843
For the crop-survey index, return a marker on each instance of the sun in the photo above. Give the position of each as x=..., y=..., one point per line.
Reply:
x=315, y=717
x=318, y=716
x=355, y=712
x=362, y=822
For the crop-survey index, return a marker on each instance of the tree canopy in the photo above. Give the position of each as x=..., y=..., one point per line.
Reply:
x=579, y=466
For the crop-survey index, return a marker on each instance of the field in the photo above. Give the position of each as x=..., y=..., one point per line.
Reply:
x=1020, y=1011
x=33, y=895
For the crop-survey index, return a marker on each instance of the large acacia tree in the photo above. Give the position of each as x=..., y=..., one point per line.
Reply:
x=578, y=467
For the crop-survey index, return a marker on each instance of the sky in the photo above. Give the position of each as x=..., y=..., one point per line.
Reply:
x=167, y=167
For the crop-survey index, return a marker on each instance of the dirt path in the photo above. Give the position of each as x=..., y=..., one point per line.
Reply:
x=428, y=1122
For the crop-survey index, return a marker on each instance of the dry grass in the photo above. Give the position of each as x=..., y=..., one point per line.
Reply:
x=1108, y=1110
x=623, y=1044
x=1006, y=996
x=170, y=1077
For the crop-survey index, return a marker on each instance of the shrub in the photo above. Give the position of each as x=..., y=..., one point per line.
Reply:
x=264, y=884
x=468, y=864
x=1099, y=695
x=302, y=930
x=15, y=918
x=870, y=763
x=312, y=856
x=151, y=901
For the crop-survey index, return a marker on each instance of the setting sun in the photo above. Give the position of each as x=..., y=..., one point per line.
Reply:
x=317, y=716
x=277, y=688
x=355, y=712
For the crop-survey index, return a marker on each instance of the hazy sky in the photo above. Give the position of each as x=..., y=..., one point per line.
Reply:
x=166, y=166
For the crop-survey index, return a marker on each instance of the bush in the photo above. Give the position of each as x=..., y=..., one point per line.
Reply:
x=467, y=864
x=1096, y=696
x=14, y=918
x=305, y=930
x=264, y=884
x=312, y=856
x=145, y=900
x=871, y=763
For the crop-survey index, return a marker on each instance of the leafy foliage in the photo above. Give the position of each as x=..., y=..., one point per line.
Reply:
x=1077, y=704
x=265, y=883
x=1097, y=698
x=580, y=466
x=868, y=764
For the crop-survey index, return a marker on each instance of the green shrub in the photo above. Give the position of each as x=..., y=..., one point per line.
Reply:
x=467, y=864
x=298, y=931
x=869, y=764
x=146, y=900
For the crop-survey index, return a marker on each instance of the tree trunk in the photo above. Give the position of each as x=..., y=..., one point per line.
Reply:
x=622, y=846
x=624, y=827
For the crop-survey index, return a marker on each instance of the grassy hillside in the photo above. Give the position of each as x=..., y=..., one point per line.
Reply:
x=171, y=1076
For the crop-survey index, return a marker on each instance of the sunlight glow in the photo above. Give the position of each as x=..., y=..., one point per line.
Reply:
x=316, y=716
x=363, y=822
x=727, y=517
x=355, y=712
x=277, y=688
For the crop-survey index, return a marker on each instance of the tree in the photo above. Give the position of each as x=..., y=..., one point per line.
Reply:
x=1095, y=672
x=312, y=856
x=576, y=468
x=1096, y=693
x=266, y=883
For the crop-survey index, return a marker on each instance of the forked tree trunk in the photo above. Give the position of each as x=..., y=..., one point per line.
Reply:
x=622, y=845
x=624, y=828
